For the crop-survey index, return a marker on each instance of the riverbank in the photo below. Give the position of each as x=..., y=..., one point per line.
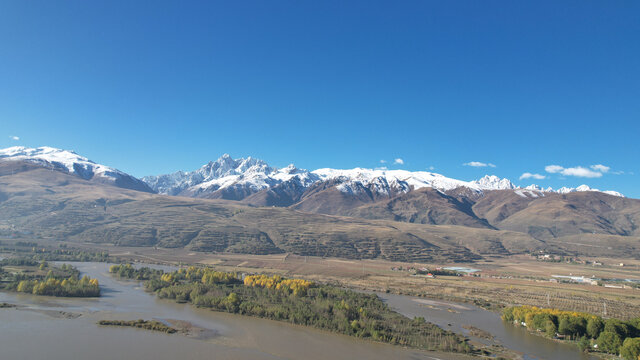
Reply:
x=587, y=331
x=228, y=336
x=501, y=282
x=378, y=275
x=458, y=317
x=296, y=301
x=453, y=316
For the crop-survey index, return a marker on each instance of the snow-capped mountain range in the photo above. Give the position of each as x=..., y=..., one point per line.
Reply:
x=236, y=179
x=242, y=176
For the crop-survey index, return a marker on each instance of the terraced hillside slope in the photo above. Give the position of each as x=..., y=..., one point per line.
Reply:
x=46, y=203
x=546, y=216
x=57, y=205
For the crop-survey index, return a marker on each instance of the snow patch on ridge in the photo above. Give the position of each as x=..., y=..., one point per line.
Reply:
x=566, y=190
x=399, y=180
x=72, y=163
x=68, y=160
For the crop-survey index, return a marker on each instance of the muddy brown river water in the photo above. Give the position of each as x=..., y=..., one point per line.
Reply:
x=65, y=328
x=45, y=328
x=457, y=317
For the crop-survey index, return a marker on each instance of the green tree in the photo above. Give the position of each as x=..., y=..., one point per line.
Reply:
x=550, y=329
x=507, y=314
x=609, y=342
x=630, y=349
x=539, y=321
x=584, y=344
x=617, y=327
x=634, y=324
x=565, y=326
x=232, y=302
x=578, y=325
x=595, y=325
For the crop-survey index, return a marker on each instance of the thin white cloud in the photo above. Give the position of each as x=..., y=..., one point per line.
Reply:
x=553, y=169
x=13, y=137
x=381, y=168
x=383, y=161
x=577, y=171
x=580, y=171
x=601, y=168
x=529, y=175
x=398, y=161
x=478, y=164
x=431, y=168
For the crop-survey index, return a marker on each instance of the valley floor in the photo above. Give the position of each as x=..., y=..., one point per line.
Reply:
x=516, y=280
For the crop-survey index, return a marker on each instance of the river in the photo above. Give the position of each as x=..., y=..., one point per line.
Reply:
x=48, y=327
x=65, y=328
x=453, y=316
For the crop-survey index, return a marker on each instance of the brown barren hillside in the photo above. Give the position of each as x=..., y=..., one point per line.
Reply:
x=543, y=216
x=51, y=204
x=558, y=215
x=57, y=205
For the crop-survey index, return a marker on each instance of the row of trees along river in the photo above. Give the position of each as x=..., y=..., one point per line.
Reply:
x=296, y=301
x=589, y=332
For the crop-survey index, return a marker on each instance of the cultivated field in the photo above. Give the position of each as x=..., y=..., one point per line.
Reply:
x=516, y=280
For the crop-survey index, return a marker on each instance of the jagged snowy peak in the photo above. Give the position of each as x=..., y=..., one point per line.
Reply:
x=69, y=161
x=492, y=182
x=226, y=166
x=239, y=177
x=534, y=187
x=224, y=169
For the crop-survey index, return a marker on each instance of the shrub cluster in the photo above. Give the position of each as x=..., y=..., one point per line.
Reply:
x=142, y=324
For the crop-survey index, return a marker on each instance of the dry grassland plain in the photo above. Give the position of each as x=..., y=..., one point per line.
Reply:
x=502, y=281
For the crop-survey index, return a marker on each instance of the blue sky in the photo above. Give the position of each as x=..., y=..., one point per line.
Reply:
x=153, y=87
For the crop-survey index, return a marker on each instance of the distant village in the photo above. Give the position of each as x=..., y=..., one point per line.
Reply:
x=613, y=283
